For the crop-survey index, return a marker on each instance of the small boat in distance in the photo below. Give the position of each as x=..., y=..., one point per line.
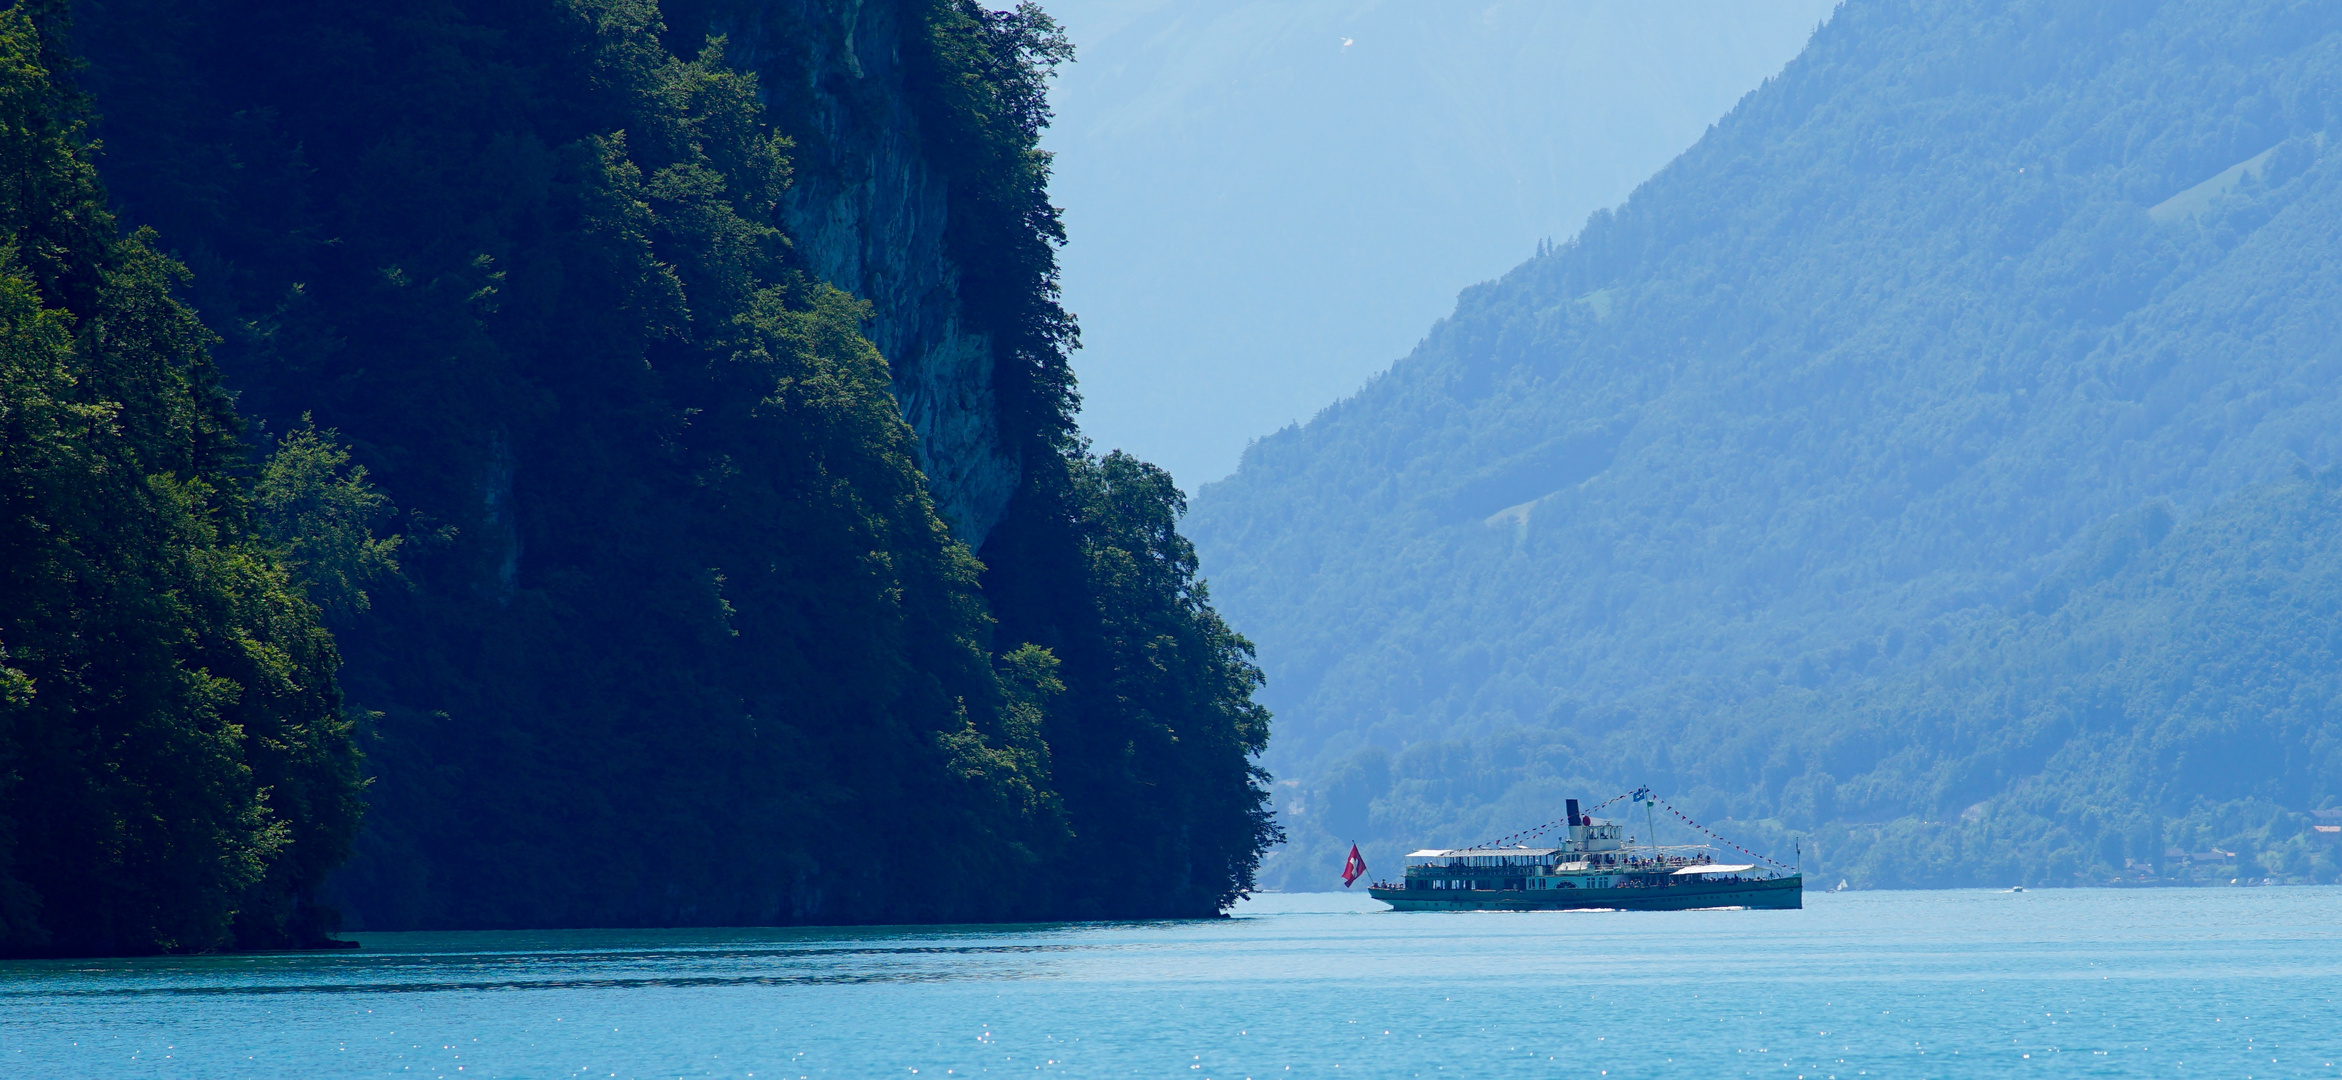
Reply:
x=1595, y=867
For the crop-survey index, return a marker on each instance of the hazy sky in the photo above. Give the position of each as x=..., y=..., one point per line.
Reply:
x=1271, y=200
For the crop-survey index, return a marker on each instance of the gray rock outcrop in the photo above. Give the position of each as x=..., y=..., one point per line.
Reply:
x=867, y=213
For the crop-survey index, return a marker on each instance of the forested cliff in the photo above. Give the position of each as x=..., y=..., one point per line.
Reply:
x=706, y=534
x=1813, y=484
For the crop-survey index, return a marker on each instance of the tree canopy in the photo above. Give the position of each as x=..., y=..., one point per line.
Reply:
x=175, y=769
x=638, y=594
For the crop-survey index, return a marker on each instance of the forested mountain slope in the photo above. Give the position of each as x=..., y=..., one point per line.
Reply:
x=1812, y=410
x=2174, y=687
x=710, y=541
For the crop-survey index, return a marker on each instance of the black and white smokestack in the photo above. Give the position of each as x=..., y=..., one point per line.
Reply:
x=1573, y=812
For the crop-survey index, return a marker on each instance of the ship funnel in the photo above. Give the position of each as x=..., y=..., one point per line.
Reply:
x=1577, y=827
x=1572, y=807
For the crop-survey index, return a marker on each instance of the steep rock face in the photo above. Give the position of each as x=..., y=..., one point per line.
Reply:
x=867, y=213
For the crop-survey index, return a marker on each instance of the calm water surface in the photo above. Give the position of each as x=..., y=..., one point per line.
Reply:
x=2176, y=983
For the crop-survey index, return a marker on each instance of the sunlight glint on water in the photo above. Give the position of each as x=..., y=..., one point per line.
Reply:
x=2227, y=982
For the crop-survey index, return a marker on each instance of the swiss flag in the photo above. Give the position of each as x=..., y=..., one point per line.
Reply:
x=1353, y=868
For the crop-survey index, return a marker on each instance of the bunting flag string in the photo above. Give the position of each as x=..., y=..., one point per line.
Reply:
x=1638, y=794
x=1704, y=831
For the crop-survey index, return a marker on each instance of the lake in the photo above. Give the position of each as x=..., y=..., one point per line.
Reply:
x=2238, y=982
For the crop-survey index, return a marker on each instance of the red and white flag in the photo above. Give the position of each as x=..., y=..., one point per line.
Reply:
x=1354, y=868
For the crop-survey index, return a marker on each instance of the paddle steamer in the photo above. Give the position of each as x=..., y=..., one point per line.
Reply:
x=1594, y=868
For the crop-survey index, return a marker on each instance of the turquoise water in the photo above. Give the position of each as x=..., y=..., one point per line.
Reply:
x=2173, y=983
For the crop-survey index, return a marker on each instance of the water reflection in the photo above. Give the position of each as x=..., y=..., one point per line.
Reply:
x=588, y=959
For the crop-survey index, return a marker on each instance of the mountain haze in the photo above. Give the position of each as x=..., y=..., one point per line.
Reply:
x=1266, y=200
x=1840, y=406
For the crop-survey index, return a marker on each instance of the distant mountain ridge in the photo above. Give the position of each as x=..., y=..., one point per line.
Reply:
x=1816, y=410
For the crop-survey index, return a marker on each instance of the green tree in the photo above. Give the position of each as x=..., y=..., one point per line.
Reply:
x=319, y=514
x=175, y=773
x=1181, y=684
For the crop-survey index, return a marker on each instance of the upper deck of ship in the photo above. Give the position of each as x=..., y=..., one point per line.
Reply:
x=1590, y=847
